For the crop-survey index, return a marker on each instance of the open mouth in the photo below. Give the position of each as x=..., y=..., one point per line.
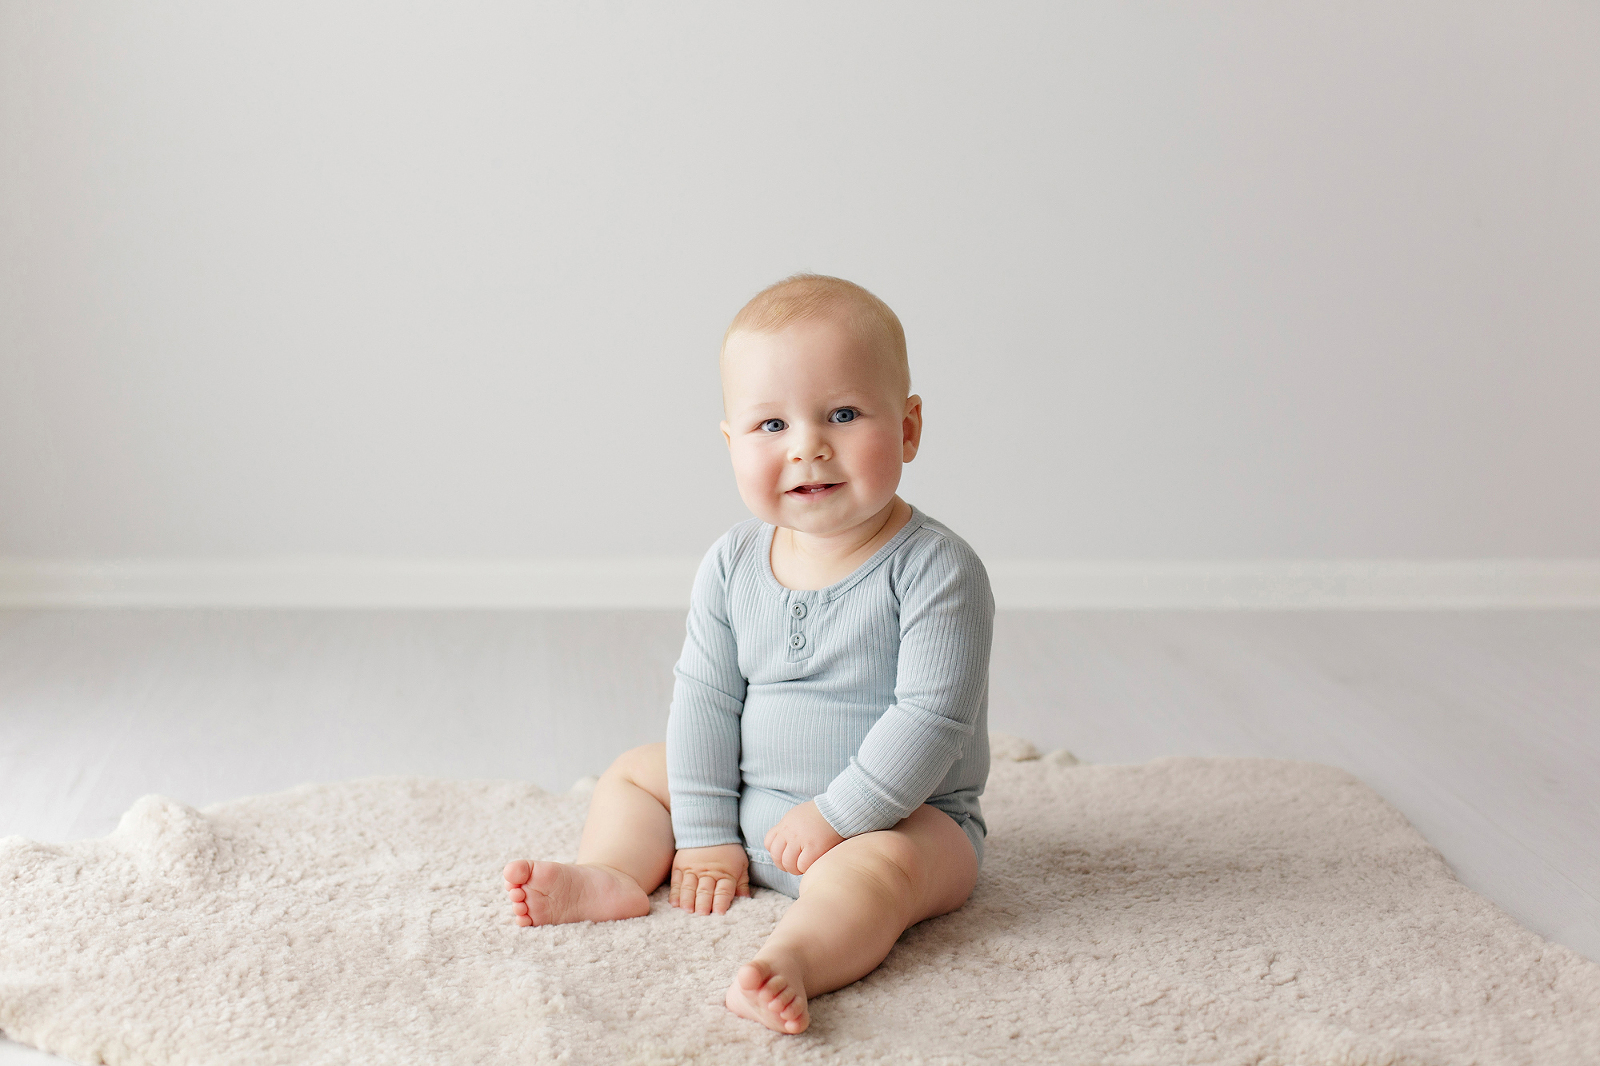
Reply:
x=814, y=490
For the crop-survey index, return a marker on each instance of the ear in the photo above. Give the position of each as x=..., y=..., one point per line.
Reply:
x=911, y=428
x=727, y=436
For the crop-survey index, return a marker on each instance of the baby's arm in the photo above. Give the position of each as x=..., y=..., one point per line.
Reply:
x=942, y=672
x=710, y=866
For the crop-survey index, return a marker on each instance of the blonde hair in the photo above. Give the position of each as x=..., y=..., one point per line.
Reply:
x=804, y=296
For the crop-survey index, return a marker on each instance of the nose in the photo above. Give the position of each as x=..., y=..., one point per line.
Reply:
x=809, y=445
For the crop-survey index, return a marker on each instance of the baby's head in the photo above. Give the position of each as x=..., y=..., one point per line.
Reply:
x=816, y=397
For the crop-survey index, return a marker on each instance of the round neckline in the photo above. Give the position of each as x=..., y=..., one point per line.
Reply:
x=829, y=591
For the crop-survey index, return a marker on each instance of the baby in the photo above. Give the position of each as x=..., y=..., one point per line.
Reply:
x=828, y=736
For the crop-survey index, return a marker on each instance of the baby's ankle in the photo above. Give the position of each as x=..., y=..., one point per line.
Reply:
x=623, y=876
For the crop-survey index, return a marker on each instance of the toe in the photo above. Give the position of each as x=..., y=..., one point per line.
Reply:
x=518, y=872
x=517, y=895
x=752, y=975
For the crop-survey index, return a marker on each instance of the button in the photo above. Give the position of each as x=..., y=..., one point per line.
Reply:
x=798, y=640
x=798, y=610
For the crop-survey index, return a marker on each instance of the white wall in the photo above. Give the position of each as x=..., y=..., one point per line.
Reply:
x=1184, y=282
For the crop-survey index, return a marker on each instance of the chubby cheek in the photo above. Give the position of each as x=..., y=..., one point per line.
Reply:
x=758, y=472
x=875, y=460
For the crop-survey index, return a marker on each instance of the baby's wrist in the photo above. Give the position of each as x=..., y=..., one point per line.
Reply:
x=712, y=847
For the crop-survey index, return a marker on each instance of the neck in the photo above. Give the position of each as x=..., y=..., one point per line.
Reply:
x=834, y=547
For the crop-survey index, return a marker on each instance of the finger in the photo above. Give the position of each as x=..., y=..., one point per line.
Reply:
x=744, y=885
x=791, y=855
x=766, y=841
x=672, y=890
x=724, y=897
x=686, y=890
x=705, y=893
x=802, y=861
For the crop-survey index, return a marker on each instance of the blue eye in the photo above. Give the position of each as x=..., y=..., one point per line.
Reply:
x=843, y=414
x=772, y=425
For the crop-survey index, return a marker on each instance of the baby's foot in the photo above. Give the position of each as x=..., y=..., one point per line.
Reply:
x=769, y=991
x=552, y=893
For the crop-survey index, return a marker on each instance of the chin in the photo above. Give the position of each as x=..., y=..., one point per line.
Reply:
x=824, y=524
x=807, y=523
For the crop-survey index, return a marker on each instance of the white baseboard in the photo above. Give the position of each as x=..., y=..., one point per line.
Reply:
x=349, y=583
x=664, y=583
x=1342, y=584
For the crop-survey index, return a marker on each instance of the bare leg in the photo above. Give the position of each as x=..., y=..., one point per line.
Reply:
x=626, y=851
x=854, y=903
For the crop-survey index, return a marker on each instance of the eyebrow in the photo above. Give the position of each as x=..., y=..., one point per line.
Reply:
x=833, y=401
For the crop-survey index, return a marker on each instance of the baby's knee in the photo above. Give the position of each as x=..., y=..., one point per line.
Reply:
x=900, y=867
x=645, y=766
x=883, y=863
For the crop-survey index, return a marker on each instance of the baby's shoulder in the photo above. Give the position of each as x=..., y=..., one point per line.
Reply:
x=935, y=546
x=738, y=544
x=935, y=556
x=732, y=551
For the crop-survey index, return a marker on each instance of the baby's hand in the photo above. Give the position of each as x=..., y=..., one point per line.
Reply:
x=706, y=879
x=800, y=839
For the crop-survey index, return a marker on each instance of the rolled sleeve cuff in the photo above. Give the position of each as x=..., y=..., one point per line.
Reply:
x=856, y=804
x=705, y=824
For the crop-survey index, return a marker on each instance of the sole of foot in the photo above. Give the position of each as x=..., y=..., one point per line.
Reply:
x=767, y=994
x=555, y=893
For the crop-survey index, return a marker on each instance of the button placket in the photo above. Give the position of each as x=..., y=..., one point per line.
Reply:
x=799, y=640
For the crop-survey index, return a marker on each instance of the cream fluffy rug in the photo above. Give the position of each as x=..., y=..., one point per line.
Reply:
x=1183, y=911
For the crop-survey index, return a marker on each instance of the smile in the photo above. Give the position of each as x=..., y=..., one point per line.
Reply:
x=813, y=491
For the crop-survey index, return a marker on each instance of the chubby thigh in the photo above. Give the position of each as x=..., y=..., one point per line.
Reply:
x=923, y=867
x=761, y=809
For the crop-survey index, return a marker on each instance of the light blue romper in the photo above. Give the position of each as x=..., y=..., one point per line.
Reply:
x=870, y=696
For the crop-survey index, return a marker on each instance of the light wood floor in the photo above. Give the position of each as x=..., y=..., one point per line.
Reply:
x=1482, y=727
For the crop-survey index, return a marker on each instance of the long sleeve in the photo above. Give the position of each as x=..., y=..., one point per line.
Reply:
x=703, y=726
x=941, y=681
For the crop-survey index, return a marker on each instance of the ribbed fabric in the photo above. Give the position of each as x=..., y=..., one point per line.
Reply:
x=870, y=695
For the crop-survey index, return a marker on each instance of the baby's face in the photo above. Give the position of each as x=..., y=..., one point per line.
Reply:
x=818, y=425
